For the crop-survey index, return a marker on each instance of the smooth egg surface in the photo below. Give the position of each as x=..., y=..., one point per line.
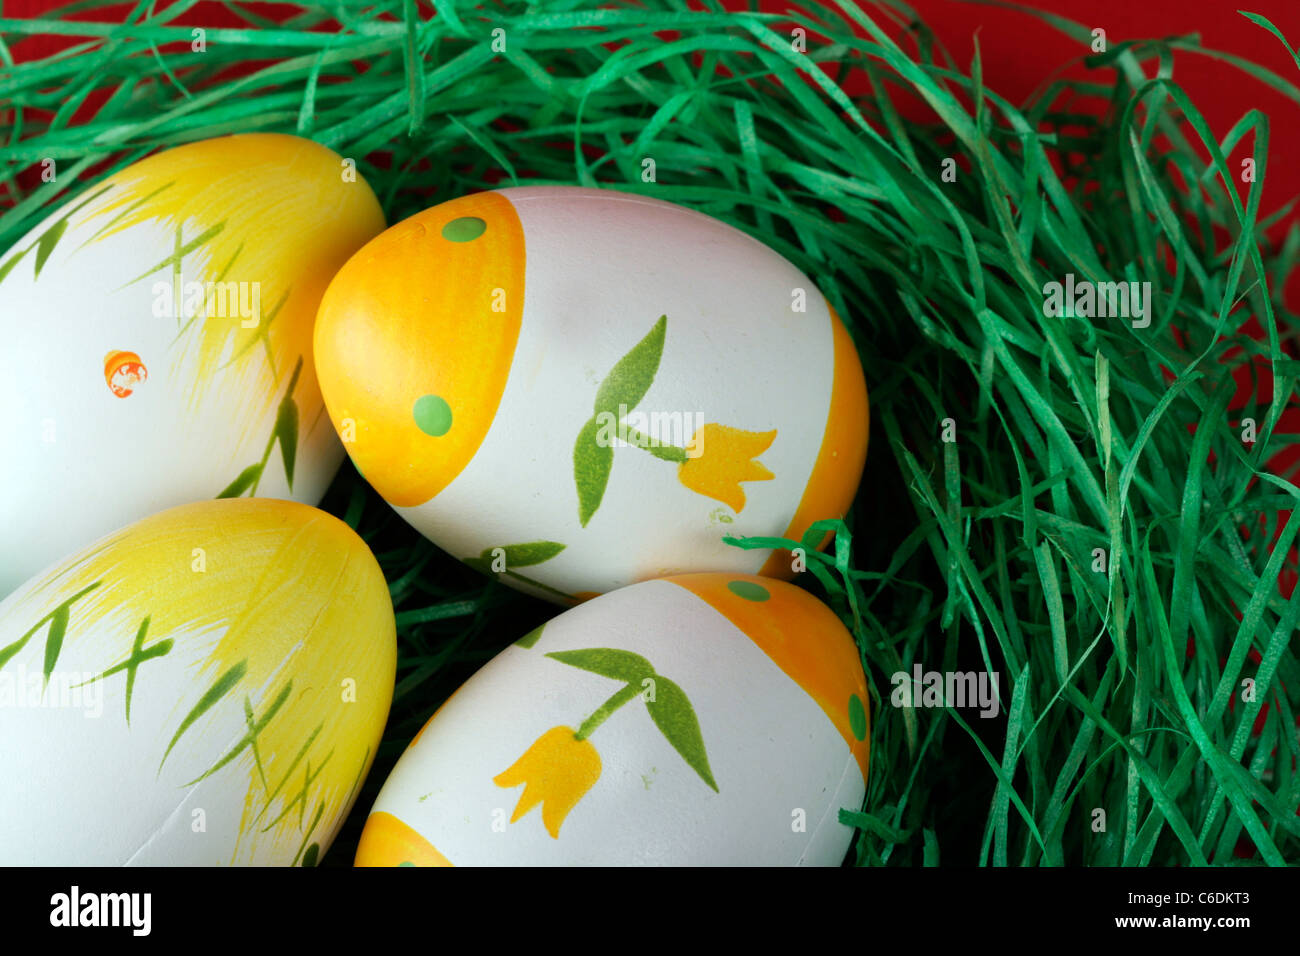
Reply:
x=702, y=719
x=158, y=336
x=580, y=388
x=206, y=686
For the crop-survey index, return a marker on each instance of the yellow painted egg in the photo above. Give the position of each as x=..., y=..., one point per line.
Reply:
x=580, y=389
x=205, y=686
x=157, y=339
x=701, y=719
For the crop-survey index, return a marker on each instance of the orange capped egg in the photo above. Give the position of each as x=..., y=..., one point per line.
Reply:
x=450, y=344
x=579, y=389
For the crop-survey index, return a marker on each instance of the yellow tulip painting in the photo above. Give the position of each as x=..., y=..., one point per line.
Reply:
x=726, y=457
x=562, y=765
x=556, y=771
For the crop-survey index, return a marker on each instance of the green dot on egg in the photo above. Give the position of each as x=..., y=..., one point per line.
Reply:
x=406, y=863
x=464, y=229
x=748, y=590
x=857, y=717
x=432, y=415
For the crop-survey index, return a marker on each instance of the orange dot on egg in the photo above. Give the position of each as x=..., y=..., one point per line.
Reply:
x=123, y=371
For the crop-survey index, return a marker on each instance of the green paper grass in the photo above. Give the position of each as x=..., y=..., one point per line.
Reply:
x=1064, y=502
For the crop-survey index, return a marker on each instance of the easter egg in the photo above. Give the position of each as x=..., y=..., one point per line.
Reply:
x=157, y=338
x=205, y=686
x=701, y=719
x=580, y=389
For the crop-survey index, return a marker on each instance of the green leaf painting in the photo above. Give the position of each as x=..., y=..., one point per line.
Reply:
x=220, y=687
x=524, y=555
x=299, y=799
x=504, y=558
x=633, y=374
x=58, y=621
x=242, y=482
x=285, y=433
x=182, y=248
x=665, y=701
x=139, y=654
x=532, y=637
x=310, y=854
x=255, y=727
x=619, y=392
x=12, y=261
x=608, y=662
x=591, y=466
x=673, y=714
x=54, y=640
x=47, y=243
x=302, y=752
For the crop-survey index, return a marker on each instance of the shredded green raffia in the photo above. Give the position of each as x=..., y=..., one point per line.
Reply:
x=1097, y=533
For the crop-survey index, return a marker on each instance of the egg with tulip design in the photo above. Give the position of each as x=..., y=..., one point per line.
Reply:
x=700, y=719
x=578, y=388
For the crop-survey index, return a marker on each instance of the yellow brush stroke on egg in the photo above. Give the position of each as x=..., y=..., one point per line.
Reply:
x=838, y=469
x=802, y=636
x=277, y=575
x=387, y=841
x=287, y=220
x=417, y=317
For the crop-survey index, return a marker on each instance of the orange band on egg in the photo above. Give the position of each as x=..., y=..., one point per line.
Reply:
x=387, y=841
x=803, y=637
x=838, y=469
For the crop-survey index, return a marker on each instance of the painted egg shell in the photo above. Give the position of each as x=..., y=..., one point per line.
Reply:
x=206, y=686
x=698, y=719
x=157, y=339
x=481, y=358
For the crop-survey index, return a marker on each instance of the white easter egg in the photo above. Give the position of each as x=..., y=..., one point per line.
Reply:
x=206, y=686
x=582, y=388
x=703, y=719
x=157, y=338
